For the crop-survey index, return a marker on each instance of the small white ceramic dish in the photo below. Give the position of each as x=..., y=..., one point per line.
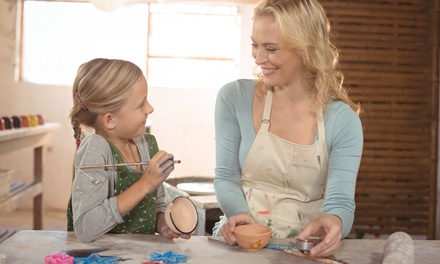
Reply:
x=197, y=188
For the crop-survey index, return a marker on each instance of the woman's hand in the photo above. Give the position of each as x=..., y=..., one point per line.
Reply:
x=229, y=226
x=329, y=229
x=165, y=231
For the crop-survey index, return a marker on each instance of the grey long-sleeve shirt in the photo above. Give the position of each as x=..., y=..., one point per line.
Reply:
x=94, y=206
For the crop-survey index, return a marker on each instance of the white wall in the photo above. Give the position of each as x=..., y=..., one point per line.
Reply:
x=183, y=120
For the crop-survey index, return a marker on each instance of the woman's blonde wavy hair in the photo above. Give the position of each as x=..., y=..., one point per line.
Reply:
x=101, y=86
x=303, y=26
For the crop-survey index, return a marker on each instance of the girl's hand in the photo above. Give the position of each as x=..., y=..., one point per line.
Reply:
x=329, y=229
x=165, y=231
x=158, y=169
x=229, y=227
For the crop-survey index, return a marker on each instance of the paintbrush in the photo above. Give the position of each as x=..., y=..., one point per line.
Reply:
x=119, y=164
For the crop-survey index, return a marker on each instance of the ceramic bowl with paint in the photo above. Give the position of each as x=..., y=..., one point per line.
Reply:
x=252, y=237
x=181, y=215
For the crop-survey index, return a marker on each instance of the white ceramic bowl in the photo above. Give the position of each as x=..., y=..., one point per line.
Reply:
x=181, y=215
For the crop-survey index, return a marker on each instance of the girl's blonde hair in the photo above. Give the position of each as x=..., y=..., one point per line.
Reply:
x=302, y=25
x=101, y=86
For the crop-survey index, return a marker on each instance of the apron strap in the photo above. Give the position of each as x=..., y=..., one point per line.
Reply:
x=321, y=127
x=152, y=144
x=265, y=123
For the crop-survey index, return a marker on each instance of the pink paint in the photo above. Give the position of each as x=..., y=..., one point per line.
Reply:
x=58, y=259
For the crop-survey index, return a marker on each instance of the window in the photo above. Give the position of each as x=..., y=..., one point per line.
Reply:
x=177, y=45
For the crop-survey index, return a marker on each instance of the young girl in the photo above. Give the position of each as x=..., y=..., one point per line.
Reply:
x=110, y=97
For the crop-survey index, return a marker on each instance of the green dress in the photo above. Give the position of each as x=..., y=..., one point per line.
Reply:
x=142, y=218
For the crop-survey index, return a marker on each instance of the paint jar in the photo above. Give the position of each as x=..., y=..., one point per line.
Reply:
x=33, y=120
x=24, y=121
x=40, y=120
x=16, y=122
x=7, y=122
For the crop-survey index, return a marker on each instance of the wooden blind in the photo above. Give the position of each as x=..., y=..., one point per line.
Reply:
x=389, y=55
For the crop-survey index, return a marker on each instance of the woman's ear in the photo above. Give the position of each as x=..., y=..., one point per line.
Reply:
x=107, y=121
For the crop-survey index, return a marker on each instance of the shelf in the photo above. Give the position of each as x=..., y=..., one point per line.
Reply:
x=34, y=138
x=28, y=137
x=20, y=193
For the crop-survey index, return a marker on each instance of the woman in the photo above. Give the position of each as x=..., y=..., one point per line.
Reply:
x=289, y=145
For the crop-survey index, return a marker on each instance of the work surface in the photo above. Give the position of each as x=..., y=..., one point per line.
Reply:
x=31, y=246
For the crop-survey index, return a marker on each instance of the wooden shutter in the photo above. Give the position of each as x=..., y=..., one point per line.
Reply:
x=389, y=55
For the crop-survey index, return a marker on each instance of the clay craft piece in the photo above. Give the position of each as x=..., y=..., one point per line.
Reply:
x=181, y=215
x=168, y=257
x=59, y=258
x=95, y=258
x=253, y=237
x=399, y=249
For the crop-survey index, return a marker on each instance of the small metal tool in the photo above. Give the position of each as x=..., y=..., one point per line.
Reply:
x=305, y=245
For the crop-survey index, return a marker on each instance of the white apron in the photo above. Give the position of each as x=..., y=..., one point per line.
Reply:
x=284, y=183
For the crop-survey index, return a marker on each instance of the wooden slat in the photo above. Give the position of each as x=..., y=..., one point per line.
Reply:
x=386, y=230
x=20, y=192
x=380, y=6
x=344, y=20
x=385, y=199
x=403, y=69
x=410, y=41
x=384, y=161
x=383, y=13
x=392, y=153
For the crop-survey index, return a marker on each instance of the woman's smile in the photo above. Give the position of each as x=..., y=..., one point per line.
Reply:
x=268, y=71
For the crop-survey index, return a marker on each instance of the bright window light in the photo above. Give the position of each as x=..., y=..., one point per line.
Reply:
x=180, y=46
x=59, y=36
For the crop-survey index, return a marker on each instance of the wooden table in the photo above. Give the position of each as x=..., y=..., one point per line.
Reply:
x=34, y=138
x=32, y=246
